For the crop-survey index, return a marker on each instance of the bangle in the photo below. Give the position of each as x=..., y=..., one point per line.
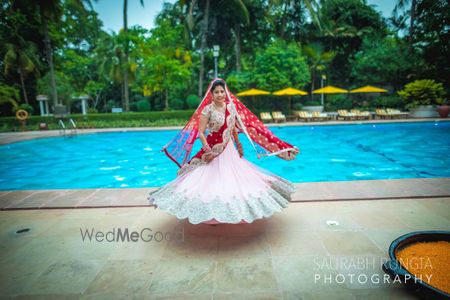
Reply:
x=206, y=148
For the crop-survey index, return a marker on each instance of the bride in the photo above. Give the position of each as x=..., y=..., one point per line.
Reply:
x=218, y=185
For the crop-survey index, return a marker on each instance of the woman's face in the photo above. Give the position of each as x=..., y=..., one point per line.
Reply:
x=219, y=94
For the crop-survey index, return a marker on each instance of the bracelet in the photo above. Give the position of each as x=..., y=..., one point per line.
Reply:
x=206, y=148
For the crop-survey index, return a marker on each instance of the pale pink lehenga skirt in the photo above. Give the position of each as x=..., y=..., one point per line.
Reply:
x=229, y=189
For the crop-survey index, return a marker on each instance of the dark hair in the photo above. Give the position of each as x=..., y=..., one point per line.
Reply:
x=217, y=83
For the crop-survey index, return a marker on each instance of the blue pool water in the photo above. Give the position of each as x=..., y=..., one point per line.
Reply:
x=133, y=159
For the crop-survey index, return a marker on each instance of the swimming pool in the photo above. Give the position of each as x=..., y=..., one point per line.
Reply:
x=133, y=159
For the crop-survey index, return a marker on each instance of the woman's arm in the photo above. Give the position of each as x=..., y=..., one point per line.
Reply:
x=202, y=128
x=238, y=143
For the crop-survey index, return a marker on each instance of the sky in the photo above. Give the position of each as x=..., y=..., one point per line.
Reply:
x=111, y=12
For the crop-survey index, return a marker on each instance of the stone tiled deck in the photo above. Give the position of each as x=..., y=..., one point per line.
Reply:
x=275, y=258
x=284, y=257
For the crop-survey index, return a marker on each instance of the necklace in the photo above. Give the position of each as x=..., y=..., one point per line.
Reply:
x=219, y=108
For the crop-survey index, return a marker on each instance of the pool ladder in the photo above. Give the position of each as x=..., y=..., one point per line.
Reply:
x=72, y=128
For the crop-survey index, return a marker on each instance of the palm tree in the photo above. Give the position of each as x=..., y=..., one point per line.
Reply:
x=49, y=11
x=202, y=48
x=318, y=60
x=400, y=6
x=126, y=54
x=239, y=14
x=8, y=94
x=110, y=55
x=21, y=58
x=312, y=6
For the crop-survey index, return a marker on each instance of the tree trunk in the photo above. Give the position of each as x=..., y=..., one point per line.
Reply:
x=412, y=18
x=125, y=65
x=202, y=49
x=237, y=45
x=283, y=19
x=48, y=53
x=122, y=87
x=22, y=83
x=313, y=77
x=166, y=99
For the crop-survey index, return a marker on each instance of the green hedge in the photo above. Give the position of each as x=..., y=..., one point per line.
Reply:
x=102, y=120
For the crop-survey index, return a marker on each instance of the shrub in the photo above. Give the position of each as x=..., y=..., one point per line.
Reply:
x=335, y=102
x=390, y=101
x=92, y=110
x=176, y=104
x=24, y=106
x=143, y=105
x=193, y=101
x=422, y=92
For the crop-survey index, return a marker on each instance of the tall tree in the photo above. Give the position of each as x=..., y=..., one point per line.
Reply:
x=240, y=17
x=126, y=54
x=318, y=60
x=50, y=11
x=21, y=58
x=203, y=47
x=411, y=7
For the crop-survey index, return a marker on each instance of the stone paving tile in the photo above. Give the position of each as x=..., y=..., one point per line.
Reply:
x=181, y=275
x=69, y=276
x=247, y=274
x=294, y=243
x=438, y=206
x=14, y=197
x=243, y=246
x=69, y=198
x=347, y=243
x=383, y=238
x=298, y=274
x=38, y=199
x=124, y=276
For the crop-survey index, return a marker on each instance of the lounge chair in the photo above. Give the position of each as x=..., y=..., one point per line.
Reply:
x=266, y=117
x=318, y=116
x=361, y=115
x=343, y=113
x=382, y=114
x=305, y=116
x=278, y=116
x=397, y=113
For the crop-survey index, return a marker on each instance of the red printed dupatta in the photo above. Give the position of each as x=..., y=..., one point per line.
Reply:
x=236, y=115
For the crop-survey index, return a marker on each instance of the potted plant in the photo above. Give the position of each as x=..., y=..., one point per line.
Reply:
x=421, y=97
x=443, y=109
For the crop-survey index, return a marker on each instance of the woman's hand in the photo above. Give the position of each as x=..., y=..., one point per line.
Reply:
x=209, y=157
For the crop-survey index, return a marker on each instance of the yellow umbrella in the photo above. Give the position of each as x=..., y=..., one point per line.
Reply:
x=368, y=89
x=253, y=92
x=330, y=90
x=290, y=92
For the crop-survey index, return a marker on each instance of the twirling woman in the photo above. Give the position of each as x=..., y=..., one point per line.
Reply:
x=217, y=184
